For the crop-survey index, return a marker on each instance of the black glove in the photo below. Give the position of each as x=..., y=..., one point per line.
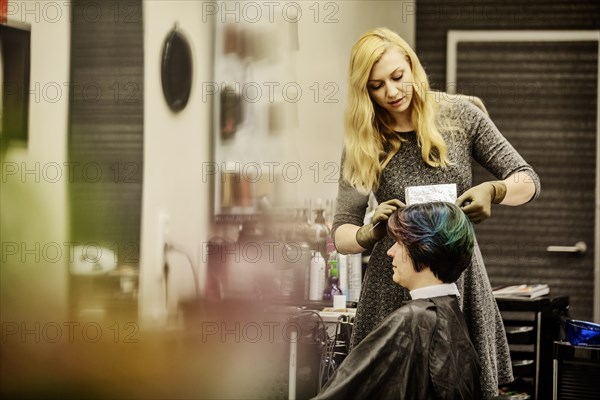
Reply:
x=477, y=201
x=370, y=234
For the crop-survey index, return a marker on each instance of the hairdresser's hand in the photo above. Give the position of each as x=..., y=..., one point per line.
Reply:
x=370, y=234
x=477, y=201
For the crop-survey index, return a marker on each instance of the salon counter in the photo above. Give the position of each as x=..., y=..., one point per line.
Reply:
x=229, y=350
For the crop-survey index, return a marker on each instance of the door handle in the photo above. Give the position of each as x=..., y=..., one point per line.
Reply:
x=580, y=247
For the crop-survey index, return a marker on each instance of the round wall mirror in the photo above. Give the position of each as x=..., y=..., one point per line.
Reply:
x=176, y=70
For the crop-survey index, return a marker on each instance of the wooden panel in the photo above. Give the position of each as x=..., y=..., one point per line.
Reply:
x=106, y=125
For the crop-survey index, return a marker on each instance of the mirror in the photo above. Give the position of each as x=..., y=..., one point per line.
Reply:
x=176, y=70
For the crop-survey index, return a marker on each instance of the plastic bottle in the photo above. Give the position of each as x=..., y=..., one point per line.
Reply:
x=317, y=276
x=343, y=269
x=354, y=276
x=302, y=229
x=320, y=233
x=301, y=267
x=332, y=273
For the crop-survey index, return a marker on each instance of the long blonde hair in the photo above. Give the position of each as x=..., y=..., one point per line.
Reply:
x=369, y=128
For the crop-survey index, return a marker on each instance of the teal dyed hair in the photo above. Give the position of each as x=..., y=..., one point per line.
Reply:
x=437, y=235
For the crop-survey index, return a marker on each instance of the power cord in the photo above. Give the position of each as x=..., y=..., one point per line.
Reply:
x=166, y=272
x=166, y=268
x=322, y=338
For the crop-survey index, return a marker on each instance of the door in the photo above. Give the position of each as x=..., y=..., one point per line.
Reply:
x=541, y=91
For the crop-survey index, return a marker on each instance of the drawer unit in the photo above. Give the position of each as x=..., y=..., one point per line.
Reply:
x=576, y=372
x=532, y=325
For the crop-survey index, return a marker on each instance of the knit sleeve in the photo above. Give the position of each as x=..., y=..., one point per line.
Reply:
x=492, y=150
x=350, y=204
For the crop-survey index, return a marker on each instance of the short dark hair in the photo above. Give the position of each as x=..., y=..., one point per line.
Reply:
x=437, y=235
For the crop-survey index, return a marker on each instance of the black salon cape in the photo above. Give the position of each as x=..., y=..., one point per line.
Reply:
x=420, y=351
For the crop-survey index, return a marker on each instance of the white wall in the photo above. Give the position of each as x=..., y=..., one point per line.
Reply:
x=33, y=206
x=34, y=209
x=323, y=56
x=177, y=145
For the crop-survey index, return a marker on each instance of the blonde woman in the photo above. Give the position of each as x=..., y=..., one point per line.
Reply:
x=398, y=134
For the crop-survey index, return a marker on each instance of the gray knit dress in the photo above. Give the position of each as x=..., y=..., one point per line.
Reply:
x=380, y=296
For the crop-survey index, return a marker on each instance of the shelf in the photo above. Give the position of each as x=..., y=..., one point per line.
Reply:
x=531, y=325
x=224, y=218
x=520, y=334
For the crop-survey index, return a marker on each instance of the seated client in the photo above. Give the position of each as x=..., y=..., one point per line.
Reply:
x=422, y=350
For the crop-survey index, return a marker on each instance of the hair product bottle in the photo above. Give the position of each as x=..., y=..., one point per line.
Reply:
x=317, y=276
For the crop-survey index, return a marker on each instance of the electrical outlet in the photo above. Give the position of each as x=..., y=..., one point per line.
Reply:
x=162, y=231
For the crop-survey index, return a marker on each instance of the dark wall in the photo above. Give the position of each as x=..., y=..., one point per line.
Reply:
x=543, y=98
x=106, y=125
x=435, y=17
x=15, y=102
